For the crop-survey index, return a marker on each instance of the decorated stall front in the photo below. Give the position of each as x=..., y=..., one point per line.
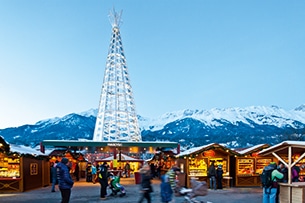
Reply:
x=163, y=160
x=22, y=168
x=249, y=165
x=75, y=158
x=290, y=153
x=195, y=162
x=117, y=164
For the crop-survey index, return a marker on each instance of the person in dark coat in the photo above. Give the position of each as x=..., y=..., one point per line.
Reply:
x=103, y=179
x=219, y=176
x=212, y=175
x=76, y=172
x=166, y=189
x=65, y=180
x=53, y=175
x=146, y=187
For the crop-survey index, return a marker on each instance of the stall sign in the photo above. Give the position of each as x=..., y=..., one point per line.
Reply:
x=114, y=144
x=255, y=154
x=33, y=168
x=209, y=153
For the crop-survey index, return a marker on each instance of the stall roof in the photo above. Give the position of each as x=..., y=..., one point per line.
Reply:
x=123, y=158
x=282, y=148
x=253, y=149
x=205, y=147
x=91, y=143
x=25, y=150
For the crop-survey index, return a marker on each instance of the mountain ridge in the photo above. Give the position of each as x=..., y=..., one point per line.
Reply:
x=233, y=127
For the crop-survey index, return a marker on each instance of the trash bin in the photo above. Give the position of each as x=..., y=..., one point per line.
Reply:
x=137, y=177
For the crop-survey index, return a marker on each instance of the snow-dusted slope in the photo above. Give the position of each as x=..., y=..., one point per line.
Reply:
x=260, y=115
x=232, y=126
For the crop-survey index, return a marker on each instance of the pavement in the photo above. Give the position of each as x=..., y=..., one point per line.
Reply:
x=85, y=192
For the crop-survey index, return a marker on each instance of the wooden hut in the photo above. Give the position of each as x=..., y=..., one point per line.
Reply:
x=194, y=162
x=249, y=165
x=22, y=168
x=290, y=153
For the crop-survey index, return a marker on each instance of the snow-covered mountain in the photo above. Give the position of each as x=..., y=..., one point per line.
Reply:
x=235, y=127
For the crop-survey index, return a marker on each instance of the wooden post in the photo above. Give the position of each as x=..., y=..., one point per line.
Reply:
x=289, y=173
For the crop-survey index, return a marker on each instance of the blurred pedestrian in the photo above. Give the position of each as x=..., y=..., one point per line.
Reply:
x=166, y=189
x=172, y=175
x=54, y=175
x=127, y=170
x=146, y=187
x=94, y=172
x=76, y=172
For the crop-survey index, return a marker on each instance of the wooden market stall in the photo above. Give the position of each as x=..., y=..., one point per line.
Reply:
x=290, y=153
x=117, y=164
x=22, y=168
x=163, y=160
x=195, y=162
x=75, y=158
x=249, y=165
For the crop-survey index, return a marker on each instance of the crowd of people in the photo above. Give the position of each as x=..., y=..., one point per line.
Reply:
x=63, y=175
x=279, y=173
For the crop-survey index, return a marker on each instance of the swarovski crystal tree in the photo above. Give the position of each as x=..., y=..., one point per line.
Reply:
x=116, y=119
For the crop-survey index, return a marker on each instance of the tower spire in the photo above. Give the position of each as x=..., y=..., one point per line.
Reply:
x=115, y=18
x=116, y=119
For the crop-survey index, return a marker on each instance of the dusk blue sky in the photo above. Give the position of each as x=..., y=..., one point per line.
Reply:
x=194, y=54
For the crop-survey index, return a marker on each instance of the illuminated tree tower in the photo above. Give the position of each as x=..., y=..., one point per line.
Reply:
x=116, y=119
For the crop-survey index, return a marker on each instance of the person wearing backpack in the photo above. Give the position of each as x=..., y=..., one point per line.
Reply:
x=269, y=179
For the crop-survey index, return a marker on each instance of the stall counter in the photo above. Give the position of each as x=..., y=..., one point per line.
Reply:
x=296, y=190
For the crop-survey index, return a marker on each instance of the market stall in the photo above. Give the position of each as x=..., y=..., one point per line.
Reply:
x=249, y=165
x=290, y=153
x=117, y=164
x=163, y=160
x=22, y=168
x=75, y=158
x=195, y=162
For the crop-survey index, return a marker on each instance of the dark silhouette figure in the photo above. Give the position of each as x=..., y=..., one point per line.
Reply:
x=103, y=179
x=219, y=176
x=76, y=172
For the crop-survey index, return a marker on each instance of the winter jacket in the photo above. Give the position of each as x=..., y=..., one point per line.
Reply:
x=65, y=180
x=103, y=173
x=211, y=171
x=172, y=178
x=166, y=190
x=219, y=173
x=145, y=181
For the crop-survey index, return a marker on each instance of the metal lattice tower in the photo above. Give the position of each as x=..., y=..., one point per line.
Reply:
x=116, y=119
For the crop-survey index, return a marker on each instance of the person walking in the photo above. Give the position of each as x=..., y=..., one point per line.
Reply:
x=172, y=173
x=65, y=180
x=212, y=175
x=166, y=189
x=146, y=187
x=127, y=170
x=219, y=176
x=269, y=193
x=53, y=175
x=103, y=179
x=94, y=172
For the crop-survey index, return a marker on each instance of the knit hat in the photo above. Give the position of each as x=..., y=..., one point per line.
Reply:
x=64, y=160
